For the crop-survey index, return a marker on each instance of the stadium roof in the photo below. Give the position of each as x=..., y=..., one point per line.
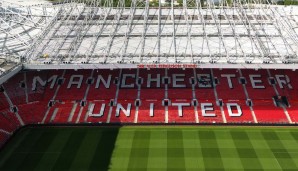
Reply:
x=101, y=34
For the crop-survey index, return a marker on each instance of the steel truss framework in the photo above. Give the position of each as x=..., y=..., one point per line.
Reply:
x=102, y=34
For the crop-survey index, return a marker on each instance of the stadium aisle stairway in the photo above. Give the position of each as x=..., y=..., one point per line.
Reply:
x=8, y=121
x=76, y=113
x=293, y=111
x=3, y=102
x=50, y=113
x=15, y=88
x=84, y=114
x=32, y=113
x=266, y=112
x=63, y=112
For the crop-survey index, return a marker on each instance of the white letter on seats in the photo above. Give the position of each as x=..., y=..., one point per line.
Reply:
x=157, y=80
x=43, y=83
x=284, y=81
x=253, y=81
x=123, y=83
x=239, y=111
x=91, y=108
x=207, y=107
x=125, y=111
x=151, y=109
x=176, y=79
x=79, y=82
x=180, y=107
x=104, y=82
x=229, y=76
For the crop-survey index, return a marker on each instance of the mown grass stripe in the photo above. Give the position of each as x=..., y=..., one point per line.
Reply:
x=47, y=162
x=40, y=148
x=12, y=145
x=69, y=151
x=103, y=152
x=86, y=151
x=210, y=150
x=175, y=152
x=280, y=152
x=203, y=148
x=138, y=159
x=246, y=151
x=22, y=150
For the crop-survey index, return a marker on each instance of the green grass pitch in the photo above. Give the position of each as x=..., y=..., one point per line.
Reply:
x=153, y=148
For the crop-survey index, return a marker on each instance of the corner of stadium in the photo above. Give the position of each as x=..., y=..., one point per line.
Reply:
x=148, y=85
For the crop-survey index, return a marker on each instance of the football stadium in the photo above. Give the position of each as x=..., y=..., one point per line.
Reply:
x=201, y=85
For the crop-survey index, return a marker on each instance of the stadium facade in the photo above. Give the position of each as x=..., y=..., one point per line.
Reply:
x=147, y=62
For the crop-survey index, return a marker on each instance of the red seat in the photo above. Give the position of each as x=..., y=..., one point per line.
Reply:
x=266, y=112
x=158, y=112
x=123, y=117
x=98, y=105
x=246, y=115
x=186, y=115
x=184, y=92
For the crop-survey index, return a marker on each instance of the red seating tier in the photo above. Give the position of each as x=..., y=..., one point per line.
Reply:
x=152, y=92
x=246, y=116
x=8, y=121
x=180, y=93
x=3, y=102
x=63, y=113
x=214, y=110
x=258, y=93
x=97, y=107
x=128, y=93
x=73, y=93
x=121, y=116
x=158, y=112
x=223, y=89
x=187, y=114
x=16, y=92
x=32, y=113
x=103, y=93
x=266, y=112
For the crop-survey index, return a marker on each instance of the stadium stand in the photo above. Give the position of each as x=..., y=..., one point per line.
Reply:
x=143, y=62
x=214, y=96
